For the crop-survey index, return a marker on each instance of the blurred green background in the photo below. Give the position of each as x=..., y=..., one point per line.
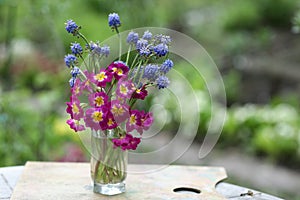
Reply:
x=254, y=44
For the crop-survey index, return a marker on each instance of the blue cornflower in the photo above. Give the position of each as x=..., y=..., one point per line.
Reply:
x=147, y=35
x=162, y=82
x=166, y=66
x=161, y=49
x=132, y=37
x=114, y=20
x=71, y=27
x=70, y=59
x=72, y=81
x=75, y=71
x=76, y=48
x=151, y=72
x=105, y=50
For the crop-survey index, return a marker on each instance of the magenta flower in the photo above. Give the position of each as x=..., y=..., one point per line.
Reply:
x=146, y=120
x=102, y=78
x=140, y=93
x=134, y=121
x=127, y=143
x=95, y=117
x=74, y=109
x=125, y=89
x=98, y=99
x=74, y=124
x=119, y=110
x=118, y=69
x=109, y=122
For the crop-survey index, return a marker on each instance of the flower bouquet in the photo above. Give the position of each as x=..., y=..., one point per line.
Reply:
x=103, y=98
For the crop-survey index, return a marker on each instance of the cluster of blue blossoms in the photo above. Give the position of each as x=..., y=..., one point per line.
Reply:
x=152, y=46
x=149, y=48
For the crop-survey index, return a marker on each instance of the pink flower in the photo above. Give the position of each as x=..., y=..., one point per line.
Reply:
x=76, y=90
x=125, y=88
x=119, y=110
x=74, y=108
x=127, y=143
x=95, y=118
x=102, y=78
x=98, y=99
x=88, y=83
x=134, y=121
x=74, y=124
x=118, y=69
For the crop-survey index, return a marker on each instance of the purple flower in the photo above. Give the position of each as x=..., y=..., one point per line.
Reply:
x=166, y=66
x=119, y=110
x=147, y=35
x=125, y=88
x=114, y=20
x=127, y=143
x=119, y=69
x=74, y=124
x=110, y=122
x=71, y=27
x=147, y=120
x=140, y=93
x=76, y=48
x=105, y=50
x=102, y=78
x=70, y=60
x=98, y=99
x=151, y=72
x=162, y=82
x=132, y=37
x=95, y=118
x=134, y=122
x=161, y=49
x=74, y=109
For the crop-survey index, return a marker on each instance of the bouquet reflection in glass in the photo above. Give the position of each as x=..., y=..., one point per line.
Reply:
x=103, y=98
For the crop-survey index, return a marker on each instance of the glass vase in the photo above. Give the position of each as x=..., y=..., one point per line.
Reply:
x=108, y=164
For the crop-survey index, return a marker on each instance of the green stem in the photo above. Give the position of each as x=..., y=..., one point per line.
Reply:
x=84, y=38
x=128, y=53
x=120, y=45
x=87, y=67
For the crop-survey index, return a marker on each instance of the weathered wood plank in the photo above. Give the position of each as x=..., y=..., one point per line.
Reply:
x=42, y=180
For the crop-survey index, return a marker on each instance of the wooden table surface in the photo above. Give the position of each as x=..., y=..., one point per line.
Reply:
x=11, y=175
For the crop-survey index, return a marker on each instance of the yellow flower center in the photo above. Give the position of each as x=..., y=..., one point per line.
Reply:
x=99, y=101
x=75, y=108
x=119, y=72
x=117, y=111
x=132, y=120
x=110, y=122
x=123, y=89
x=101, y=76
x=97, y=116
